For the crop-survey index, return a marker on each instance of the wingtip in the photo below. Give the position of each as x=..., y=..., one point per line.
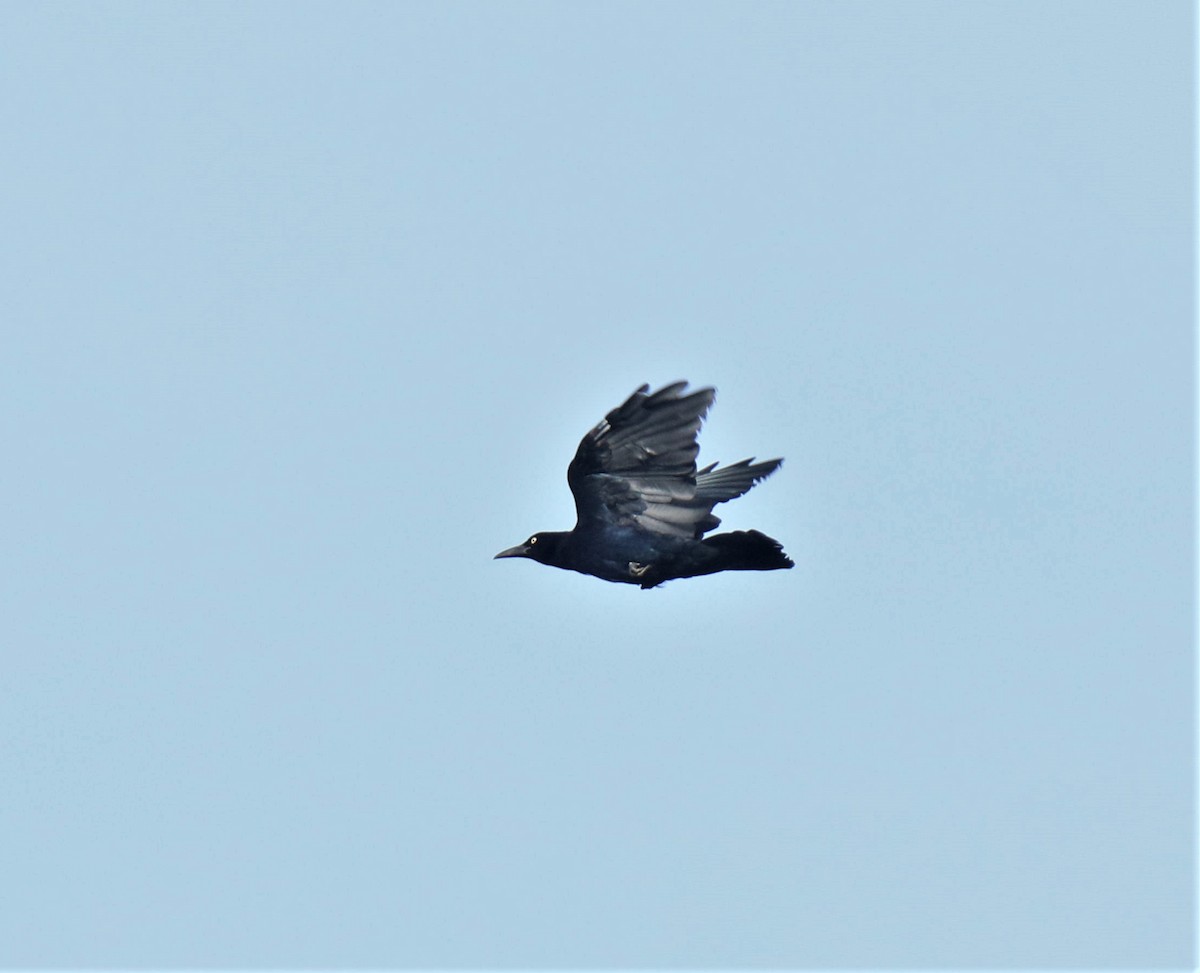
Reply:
x=671, y=390
x=674, y=390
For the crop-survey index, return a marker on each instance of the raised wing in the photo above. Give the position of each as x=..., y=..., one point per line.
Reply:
x=719, y=485
x=638, y=466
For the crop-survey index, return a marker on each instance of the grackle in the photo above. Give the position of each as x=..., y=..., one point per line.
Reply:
x=642, y=507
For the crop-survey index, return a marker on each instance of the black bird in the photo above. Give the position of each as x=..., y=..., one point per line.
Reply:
x=643, y=509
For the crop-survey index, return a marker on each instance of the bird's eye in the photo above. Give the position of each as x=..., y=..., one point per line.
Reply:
x=533, y=540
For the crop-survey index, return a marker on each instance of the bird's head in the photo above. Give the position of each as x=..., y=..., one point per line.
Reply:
x=544, y=547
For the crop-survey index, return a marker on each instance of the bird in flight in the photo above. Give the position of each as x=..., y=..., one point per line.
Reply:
x=642, y=508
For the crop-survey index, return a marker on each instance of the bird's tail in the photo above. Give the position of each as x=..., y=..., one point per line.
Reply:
x=747, y=550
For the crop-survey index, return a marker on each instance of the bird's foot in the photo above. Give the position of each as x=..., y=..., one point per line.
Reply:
x=637, y=570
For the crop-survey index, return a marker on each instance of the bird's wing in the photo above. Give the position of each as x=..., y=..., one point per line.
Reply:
x=719, y=485
x=638, y=466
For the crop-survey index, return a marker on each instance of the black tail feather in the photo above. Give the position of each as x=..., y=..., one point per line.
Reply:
x=747, y=550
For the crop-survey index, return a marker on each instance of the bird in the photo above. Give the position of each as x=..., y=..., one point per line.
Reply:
x=643, y=509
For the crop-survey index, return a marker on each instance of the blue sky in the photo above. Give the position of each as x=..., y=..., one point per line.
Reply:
x=308, y=305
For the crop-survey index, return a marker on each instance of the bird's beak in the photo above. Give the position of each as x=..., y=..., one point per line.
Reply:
x=519, y=551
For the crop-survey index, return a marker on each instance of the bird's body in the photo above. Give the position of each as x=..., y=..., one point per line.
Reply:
x=642, y=507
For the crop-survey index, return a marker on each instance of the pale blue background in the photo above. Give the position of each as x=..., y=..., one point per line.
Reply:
x=306, y=307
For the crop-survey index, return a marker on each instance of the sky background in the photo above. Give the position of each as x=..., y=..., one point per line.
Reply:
x=306, y=308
